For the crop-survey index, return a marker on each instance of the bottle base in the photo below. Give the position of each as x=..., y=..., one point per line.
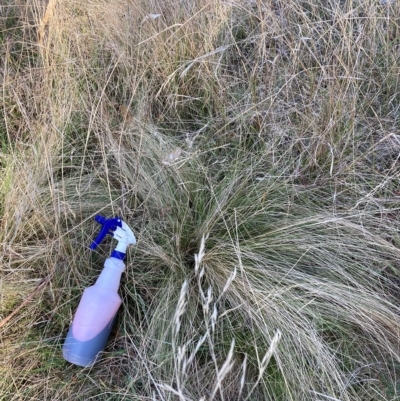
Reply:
x=85, y=353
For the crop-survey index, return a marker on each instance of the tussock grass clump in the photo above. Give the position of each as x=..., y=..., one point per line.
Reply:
x=253, y=147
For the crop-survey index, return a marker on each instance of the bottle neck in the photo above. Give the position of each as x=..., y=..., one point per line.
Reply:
x=111, y=274
x=118, y=255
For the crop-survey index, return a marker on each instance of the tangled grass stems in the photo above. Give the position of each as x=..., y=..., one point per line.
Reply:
x=253, y=147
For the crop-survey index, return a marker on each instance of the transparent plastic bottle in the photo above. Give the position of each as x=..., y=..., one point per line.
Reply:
x=99, y=304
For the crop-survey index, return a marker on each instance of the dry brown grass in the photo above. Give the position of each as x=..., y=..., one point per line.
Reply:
x=254, y=148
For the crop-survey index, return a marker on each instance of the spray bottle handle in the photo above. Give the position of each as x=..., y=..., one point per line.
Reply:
x=108, y=227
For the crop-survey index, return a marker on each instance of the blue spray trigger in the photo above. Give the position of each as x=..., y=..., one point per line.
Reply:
x=108, y=227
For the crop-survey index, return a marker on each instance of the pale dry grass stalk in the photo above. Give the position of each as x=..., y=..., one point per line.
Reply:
x=45, y=20
x=263, y=364
x=223, y=371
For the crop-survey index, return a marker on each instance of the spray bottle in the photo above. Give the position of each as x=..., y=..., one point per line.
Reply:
x=99, y=304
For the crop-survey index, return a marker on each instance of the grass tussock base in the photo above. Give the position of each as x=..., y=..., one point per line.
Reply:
x=254, y=148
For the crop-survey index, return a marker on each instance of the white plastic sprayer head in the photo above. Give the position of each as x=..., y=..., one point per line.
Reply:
x=125, y=237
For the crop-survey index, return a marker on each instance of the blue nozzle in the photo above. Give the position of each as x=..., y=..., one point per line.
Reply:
x=108, y=227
